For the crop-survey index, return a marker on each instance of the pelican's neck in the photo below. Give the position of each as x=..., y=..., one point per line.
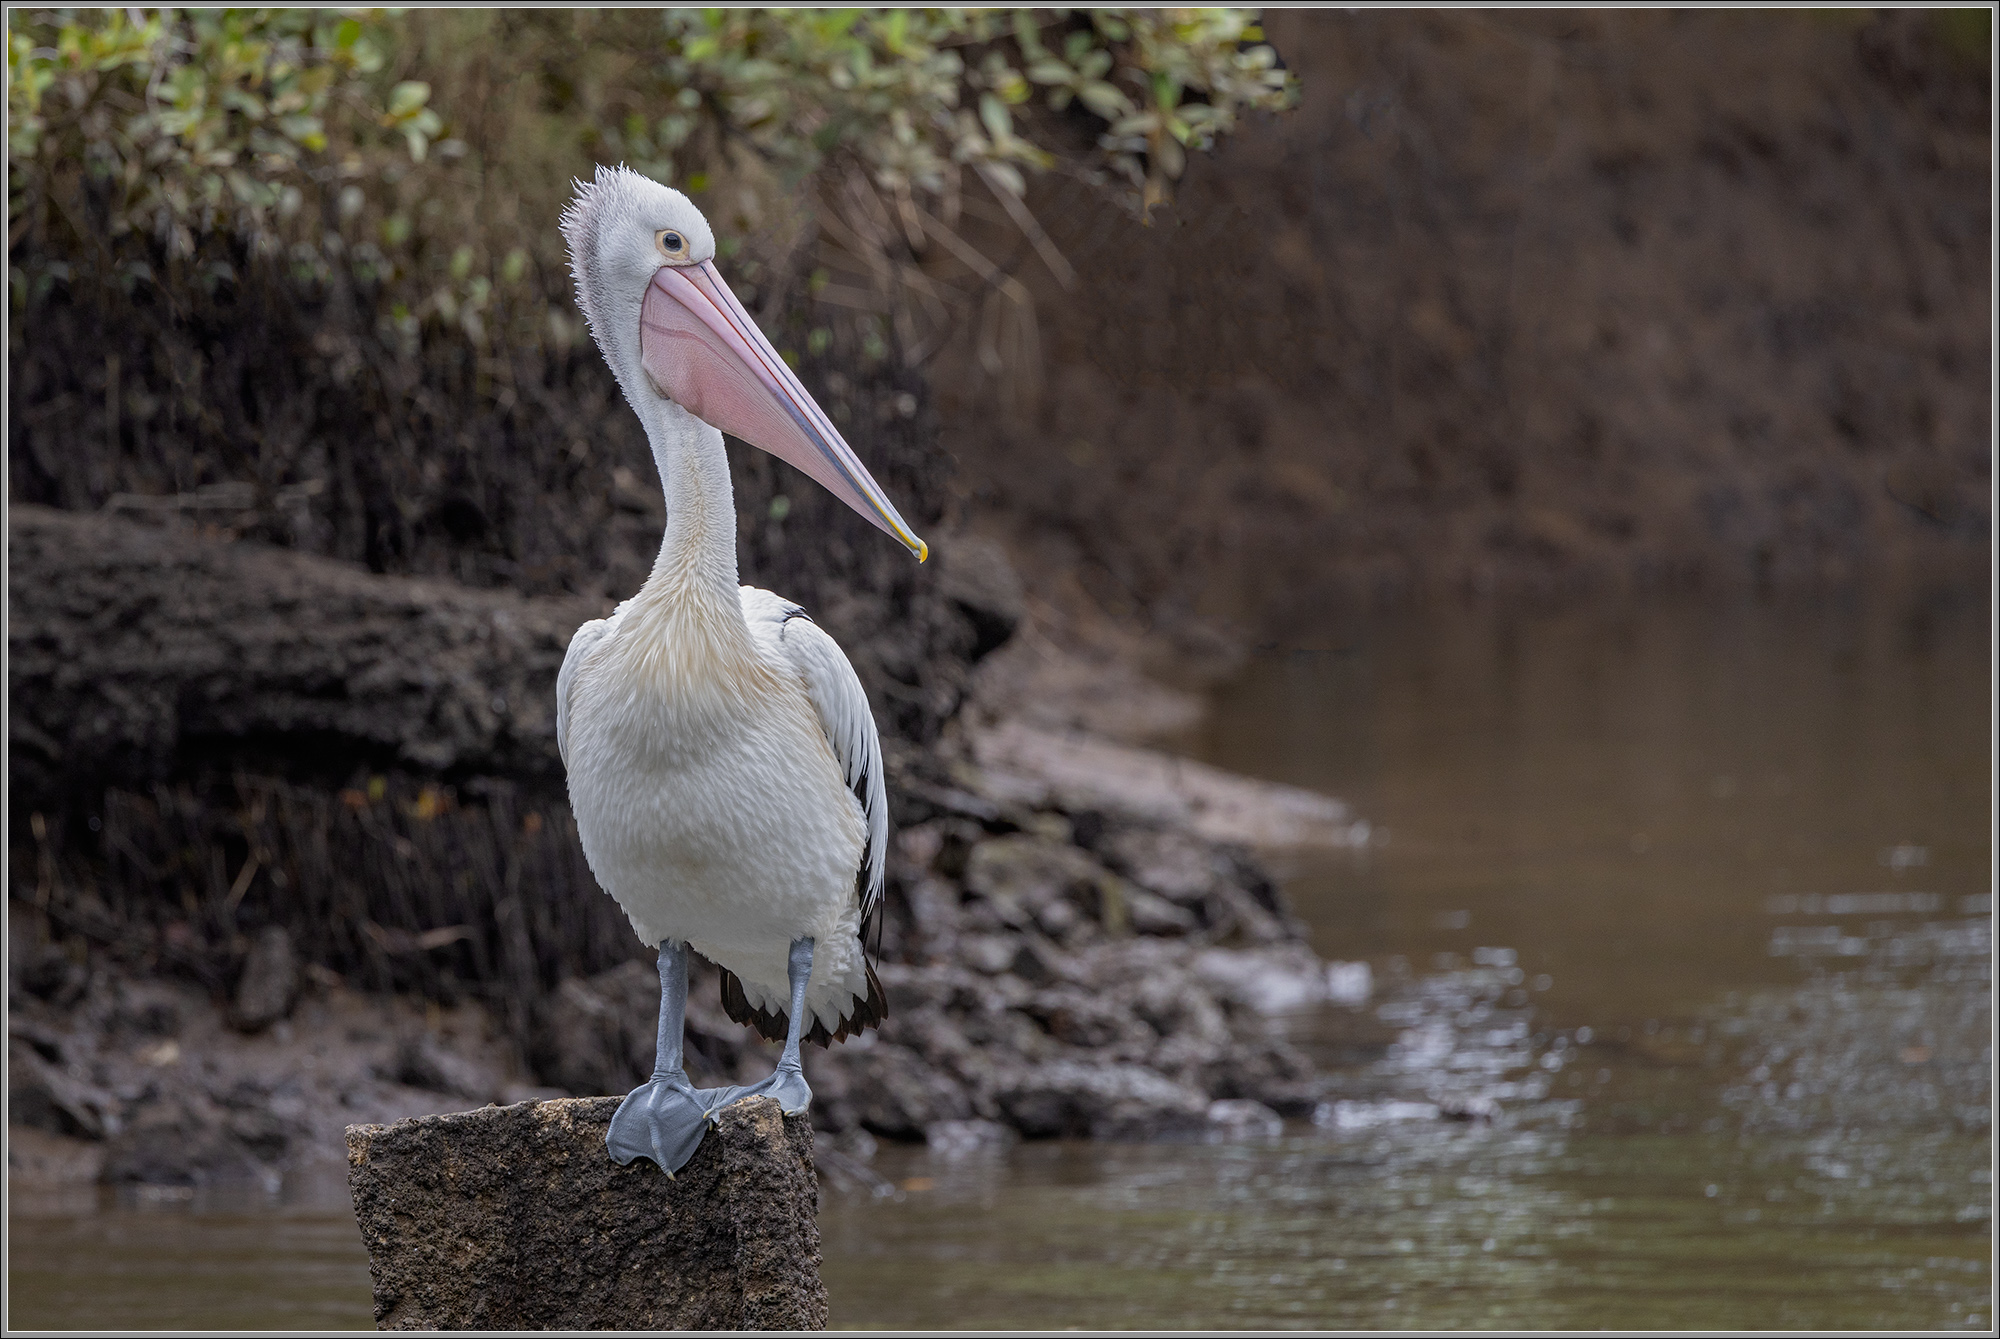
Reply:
x=697, y=562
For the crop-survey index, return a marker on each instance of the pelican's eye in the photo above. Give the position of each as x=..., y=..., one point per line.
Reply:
x=673, y=246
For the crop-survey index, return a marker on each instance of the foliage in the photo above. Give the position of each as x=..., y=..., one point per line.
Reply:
x=193, y=122
x=915, y=94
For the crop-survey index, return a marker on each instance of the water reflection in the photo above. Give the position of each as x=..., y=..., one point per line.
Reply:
x=239, y=1260
x=1682, y=914
x=1808, y=1158
x=1409, y=1223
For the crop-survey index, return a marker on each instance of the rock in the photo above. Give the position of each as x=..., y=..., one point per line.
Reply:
x=516, y=1218
x=1266, y=1069
x=1152, y=915
x=185, y=1153
x=1268, y=981
x=145, y=1010
x=269, y=985
x=1349, y=983
x=37, y=1159
x=421, y=1061
x=1238, y=1118
x=1058, y=919
x=974, y=574
x=1174, y=1005
x=1178, y=867
x=917, y=847
x=896, y=1095
x=1163, y=1026
x=50, y=974
x=1297, y=1099
x=1043, y=769
x=1036, y=964
x=1094, y=686
x=1021, y=875
x=262, y=1131
x=1114, y=1101
x=1082, y=1017
x=991, y=954
x=1237, y=914
x=934, y=912
x=43, y=1096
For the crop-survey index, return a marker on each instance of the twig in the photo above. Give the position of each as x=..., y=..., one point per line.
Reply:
x=1025, y=220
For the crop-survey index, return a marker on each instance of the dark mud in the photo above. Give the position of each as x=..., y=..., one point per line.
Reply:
x=1523, y=303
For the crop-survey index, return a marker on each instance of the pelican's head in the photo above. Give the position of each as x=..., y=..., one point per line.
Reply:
x=644, y=262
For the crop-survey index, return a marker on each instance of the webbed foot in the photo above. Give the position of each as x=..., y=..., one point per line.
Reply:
x=787, y=1084
x=664, y=1119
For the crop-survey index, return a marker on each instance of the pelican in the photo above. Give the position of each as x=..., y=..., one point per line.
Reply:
x=724, y=769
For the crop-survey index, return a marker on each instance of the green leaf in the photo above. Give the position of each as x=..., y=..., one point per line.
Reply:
x=408, y=97
x=1104, y=99
x=1008, y=176
x=994, y=116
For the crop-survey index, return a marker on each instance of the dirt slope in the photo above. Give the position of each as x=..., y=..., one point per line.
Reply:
x=1526, y=302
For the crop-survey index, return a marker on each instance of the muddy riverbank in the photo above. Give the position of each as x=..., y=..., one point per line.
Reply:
x=1080, y=939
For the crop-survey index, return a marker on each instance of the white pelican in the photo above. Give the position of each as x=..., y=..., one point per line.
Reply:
x=723, y=766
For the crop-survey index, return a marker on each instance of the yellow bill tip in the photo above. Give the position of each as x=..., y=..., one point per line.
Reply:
x=923, y=550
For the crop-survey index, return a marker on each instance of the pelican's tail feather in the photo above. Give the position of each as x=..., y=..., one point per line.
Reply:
x=772, y=1024
x=870, y=1011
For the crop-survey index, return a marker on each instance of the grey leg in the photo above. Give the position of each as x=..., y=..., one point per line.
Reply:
x=788, y=1083
x=665, y=1117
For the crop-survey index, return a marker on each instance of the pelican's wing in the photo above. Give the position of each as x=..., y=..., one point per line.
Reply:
x=784, y=631
x=580, y=643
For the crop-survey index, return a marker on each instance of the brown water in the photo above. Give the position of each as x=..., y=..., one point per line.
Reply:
x=1698, y=899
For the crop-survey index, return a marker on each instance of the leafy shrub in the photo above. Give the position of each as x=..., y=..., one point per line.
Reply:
x=267, y=124
x=186, y=122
